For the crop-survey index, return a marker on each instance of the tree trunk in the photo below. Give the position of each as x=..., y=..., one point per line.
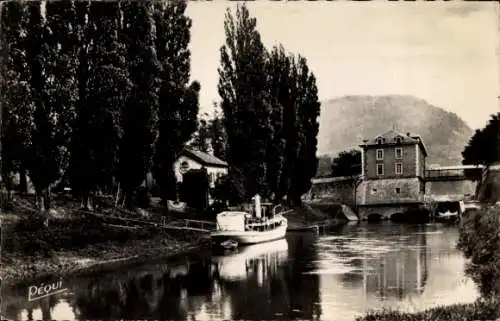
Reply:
x=42, y=204
x=86, y=203
x=23, y=181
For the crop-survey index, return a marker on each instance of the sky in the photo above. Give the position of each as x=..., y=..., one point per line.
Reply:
x=444, y=52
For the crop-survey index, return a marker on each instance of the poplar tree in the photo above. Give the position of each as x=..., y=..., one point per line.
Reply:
x=139, y=115
x=61, y=73
x=82, y=183
x=308, y=114
x=279, y=72
x=105, y=94
x=44, y=159
x=246, y=104
x=178, y=100
x=17, y=106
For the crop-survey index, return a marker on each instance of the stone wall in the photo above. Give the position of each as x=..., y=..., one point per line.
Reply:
x=338, y=191
x=402, y=190
x=457, y=188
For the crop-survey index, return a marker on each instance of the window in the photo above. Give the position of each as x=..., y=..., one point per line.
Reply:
x=380, y=169
x=380, y=154
x=398, y=190
x=380, y=140
x=399, y=169
x=398, y=140
x=398, y=153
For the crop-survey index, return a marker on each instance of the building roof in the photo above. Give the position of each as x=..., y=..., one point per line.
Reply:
x=389, y=138
x=204, y=158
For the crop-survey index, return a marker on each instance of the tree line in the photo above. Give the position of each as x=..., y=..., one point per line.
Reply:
x=269, y=99
x=99, y=94
x=95, y=92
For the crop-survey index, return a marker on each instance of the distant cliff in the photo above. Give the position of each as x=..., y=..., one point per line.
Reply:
x=346, y=121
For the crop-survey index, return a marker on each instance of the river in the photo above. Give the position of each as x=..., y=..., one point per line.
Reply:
x=336, y=275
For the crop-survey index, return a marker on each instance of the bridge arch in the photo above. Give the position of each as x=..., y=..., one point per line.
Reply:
x=374, y=217
x=397, y=217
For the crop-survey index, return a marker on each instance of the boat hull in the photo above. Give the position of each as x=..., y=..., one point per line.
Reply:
x=249, y=237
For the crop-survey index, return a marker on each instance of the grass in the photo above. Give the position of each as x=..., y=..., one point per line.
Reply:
x=480, y=310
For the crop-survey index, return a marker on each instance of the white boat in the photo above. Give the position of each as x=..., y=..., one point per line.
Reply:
x=263, y=224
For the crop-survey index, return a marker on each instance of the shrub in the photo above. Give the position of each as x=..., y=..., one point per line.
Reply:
x=480, y=242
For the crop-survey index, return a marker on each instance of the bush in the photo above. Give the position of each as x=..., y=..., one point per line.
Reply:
x=480, y=242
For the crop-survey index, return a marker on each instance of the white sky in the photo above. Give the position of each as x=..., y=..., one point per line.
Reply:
x=444, y=52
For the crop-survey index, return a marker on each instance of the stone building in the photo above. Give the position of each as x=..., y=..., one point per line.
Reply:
x=393, y=170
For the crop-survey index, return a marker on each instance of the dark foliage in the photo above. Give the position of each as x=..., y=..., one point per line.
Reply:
x=245, y=103
x=480, y=242
x=43, y=152
x=138, y=118
x=347, y=163
x=484, y=145
x=178, y=102
x=17, y=108
x=308, y=112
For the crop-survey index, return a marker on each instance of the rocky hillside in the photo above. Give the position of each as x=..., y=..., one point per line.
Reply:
x=346, y=121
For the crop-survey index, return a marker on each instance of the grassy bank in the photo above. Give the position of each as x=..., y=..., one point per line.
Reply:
x=489, y=310
x=72, y=243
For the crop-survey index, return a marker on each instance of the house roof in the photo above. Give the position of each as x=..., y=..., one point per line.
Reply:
x=204, y=158
x=389, y=138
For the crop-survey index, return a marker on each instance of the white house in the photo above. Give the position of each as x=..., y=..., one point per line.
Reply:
x=194, y=159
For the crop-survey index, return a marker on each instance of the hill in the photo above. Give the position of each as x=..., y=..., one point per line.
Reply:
x=346, y=121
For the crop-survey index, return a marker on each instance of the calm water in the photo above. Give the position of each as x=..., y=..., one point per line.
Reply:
x=335, y=276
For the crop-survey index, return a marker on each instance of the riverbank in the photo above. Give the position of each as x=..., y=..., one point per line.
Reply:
x=73, y=243
x=20, y=268
x=480, y=310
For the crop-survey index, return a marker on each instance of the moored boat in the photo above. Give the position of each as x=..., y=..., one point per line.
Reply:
x=262, y=224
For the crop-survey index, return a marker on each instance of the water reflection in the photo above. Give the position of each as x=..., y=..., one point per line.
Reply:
x=338, y=275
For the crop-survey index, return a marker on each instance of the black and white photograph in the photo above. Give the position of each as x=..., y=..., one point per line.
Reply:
x=217, y=160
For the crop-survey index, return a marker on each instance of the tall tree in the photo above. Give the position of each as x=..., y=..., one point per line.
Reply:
x=178, y=101
x=484, y=146
x=61, y=73
x=279, y=79
x=106, y=92
x=139, y=116
x=292, y=131
x=308, y=112
x=246, y=103
x=80, y=158
x=44, y=156
x=17, y=107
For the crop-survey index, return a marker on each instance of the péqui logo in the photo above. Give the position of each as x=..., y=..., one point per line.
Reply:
x=36, y=292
